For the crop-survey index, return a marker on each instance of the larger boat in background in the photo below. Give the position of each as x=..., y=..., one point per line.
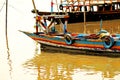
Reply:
x=95, y=9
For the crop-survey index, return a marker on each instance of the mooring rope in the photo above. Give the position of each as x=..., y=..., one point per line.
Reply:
x=2, y=7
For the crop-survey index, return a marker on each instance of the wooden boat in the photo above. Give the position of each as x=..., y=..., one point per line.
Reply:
x=95, y=9
x=52, y=39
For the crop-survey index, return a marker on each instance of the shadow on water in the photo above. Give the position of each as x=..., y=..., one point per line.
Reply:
x=62, y=66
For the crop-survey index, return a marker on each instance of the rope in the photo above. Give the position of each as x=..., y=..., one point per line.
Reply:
x=2, y=6
x=10, y=6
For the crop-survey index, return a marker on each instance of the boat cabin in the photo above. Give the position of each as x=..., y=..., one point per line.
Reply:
x=89, y=5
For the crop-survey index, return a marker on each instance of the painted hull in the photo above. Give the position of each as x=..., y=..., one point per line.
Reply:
x=88, y=46
x=55, y=49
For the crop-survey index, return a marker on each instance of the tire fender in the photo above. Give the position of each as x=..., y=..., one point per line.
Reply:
x=108, y=42
x=68, y=39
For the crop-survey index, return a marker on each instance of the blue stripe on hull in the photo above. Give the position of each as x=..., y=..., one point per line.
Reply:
x=57, y=38
x=79, y=42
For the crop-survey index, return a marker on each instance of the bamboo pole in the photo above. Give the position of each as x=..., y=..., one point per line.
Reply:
x=34, y=7
x=36, y=15
x=6, y=30
x=6, y=33
x=84, y=17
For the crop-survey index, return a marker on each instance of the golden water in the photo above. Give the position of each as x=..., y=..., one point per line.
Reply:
x=59, y=66
x=24, y=61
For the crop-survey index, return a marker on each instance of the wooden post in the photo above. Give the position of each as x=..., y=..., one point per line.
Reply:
x=36, y=16
x=6, y=26
x=89, y=5
x=84, y=17
x=36, y=27
x=34, y=7
x=104, y=6
x=52, y=6
x=6, y=17
x=111, y=5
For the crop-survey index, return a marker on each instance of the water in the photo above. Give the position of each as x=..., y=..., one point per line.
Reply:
x=24, y=60
x=26, y=63
x=61, y=66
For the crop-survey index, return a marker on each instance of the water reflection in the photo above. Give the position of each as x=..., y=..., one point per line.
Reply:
x=9, y=63
x=9, y=58
x=59, y=66
x=37, y=48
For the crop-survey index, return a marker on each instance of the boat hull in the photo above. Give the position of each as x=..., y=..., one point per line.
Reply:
x=57, y=49
x=86, y=47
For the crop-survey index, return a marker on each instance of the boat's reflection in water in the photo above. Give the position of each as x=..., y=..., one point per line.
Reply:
x=61, y=66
